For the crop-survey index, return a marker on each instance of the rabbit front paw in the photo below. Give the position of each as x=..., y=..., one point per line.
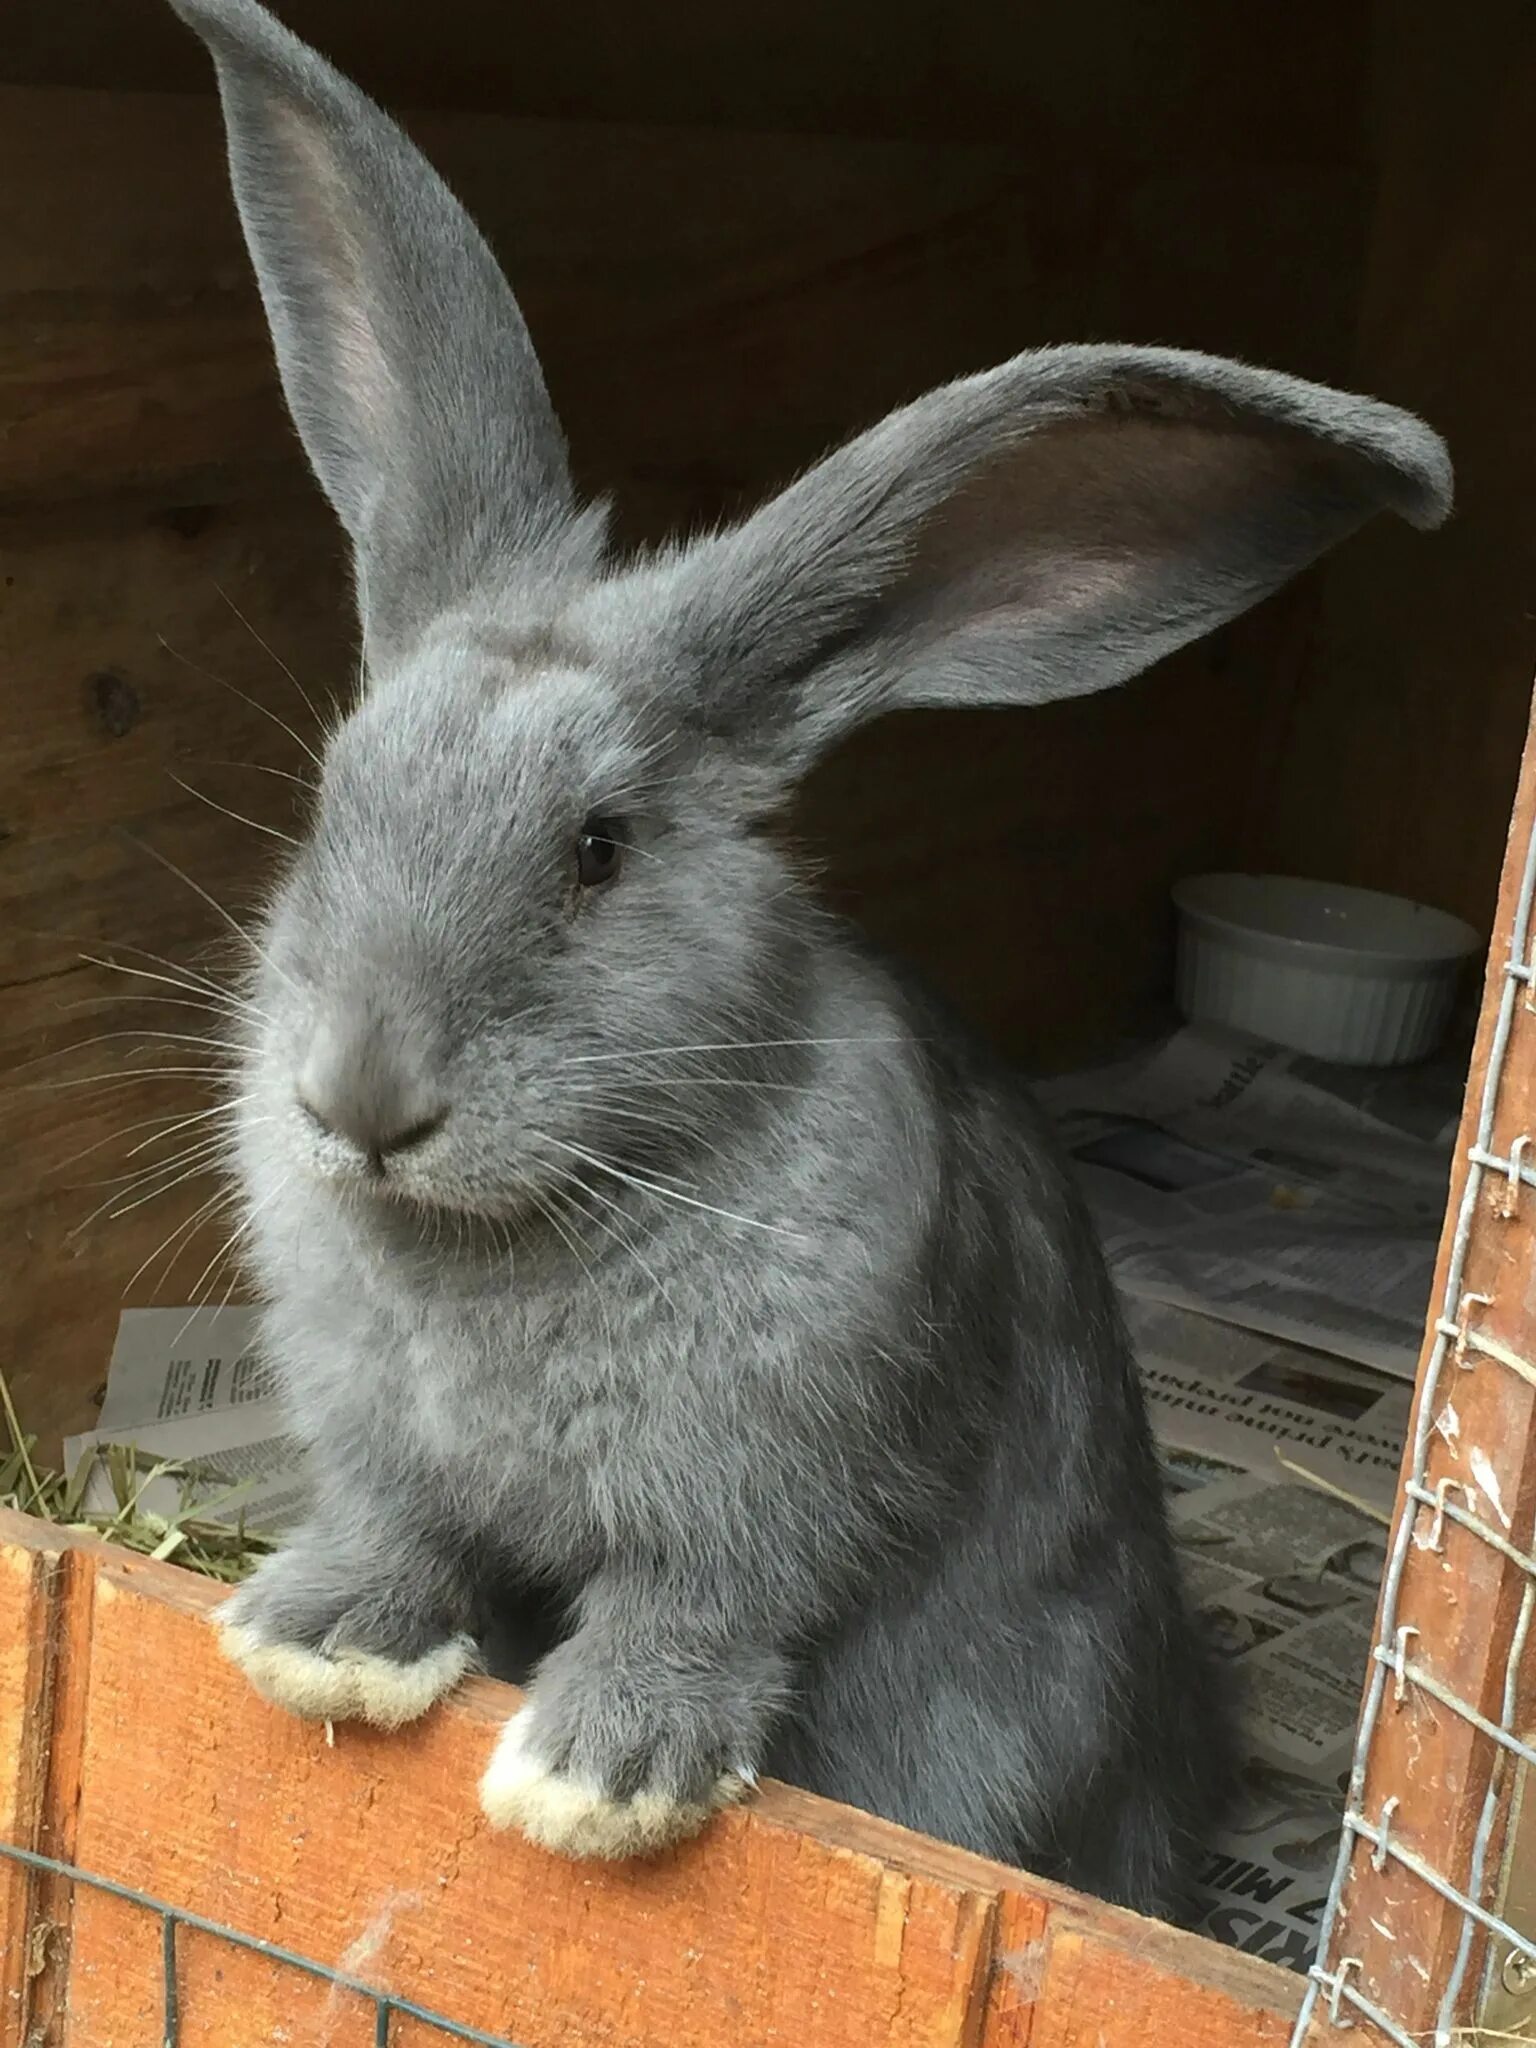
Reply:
x=577, y=1810
x=347, y=1684
x=325, y=1659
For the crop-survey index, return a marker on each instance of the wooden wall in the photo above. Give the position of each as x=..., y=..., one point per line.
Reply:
x=1399, y=761
x=1117, y=81
x=748, y=232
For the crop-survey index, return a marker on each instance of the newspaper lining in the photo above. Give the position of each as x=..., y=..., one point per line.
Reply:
x=1284, y=1576
x=190, y=1388
x=1268, y=1189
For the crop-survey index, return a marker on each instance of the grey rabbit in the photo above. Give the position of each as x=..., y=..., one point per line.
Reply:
x=681, y=1312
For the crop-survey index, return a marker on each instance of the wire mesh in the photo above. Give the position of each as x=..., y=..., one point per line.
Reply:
x=1331, y=1988
x=386, y=2006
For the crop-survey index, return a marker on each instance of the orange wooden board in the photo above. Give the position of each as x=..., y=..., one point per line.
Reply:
x=794, y=1921
x=1096, y=1990
x=28, y=1574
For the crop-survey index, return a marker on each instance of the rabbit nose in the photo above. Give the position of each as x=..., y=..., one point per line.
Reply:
x=364, y=1091
x=379, y=1144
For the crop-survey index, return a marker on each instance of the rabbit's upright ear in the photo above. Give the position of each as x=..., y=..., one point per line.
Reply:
x=1042, y=530
x=405, y=361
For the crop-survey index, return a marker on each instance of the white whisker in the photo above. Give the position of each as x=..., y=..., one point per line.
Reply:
x=726, y=1045
x=188, y=1224
x=669, y=1194
x=239, y=816
x=273, y=655
x=201, y=984
x=212, y=1072
x=228, y=1109
x=206, y=1143
x=204, y=1163
x=259, y=768
x=547, y=1211
x=173, y=1117
x=178, y=1175
x=716, y=1081
x=213, y=903
x=244, y=696
x=241, y=1230
x=620, y=1238
x=140, y=1035
x=221, y=997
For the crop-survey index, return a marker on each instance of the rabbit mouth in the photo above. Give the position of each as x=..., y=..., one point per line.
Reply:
x=390, y=1189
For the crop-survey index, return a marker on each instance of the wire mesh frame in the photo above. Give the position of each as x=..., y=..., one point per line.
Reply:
x=1329, y=1982
x=385, y=2004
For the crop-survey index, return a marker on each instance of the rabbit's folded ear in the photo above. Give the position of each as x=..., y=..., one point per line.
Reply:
x=1045, y=529
x=405, y=361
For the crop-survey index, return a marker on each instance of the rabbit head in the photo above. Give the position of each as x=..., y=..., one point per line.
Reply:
x=534, y=848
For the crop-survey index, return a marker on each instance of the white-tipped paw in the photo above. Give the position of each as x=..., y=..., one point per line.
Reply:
x=574, y=1816
x=347, y=1684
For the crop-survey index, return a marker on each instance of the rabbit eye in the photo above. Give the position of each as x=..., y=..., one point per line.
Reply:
x=599, y=855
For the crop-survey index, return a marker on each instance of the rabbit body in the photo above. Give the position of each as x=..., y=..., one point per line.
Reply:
x=892, y=1446
x=680, y=1311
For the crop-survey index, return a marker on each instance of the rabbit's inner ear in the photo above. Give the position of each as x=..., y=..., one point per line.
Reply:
x=326, y=219
x=1046, y=529
x=1083, y=555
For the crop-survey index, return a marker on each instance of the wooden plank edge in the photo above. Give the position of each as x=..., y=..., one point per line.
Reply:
x=29, y=1575
x=1037, y=1944
x=61, y=1569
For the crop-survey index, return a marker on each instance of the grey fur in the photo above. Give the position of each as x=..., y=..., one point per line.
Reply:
x=734, y=1354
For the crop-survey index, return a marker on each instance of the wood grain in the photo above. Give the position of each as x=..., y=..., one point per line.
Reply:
x=793, y=1921
x=59, y=1574
x=1095, y=1992
x=1223, y=87
x=29, y=1570
x=100, y=728
x=375, y=1848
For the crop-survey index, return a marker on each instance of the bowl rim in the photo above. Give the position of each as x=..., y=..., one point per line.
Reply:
x=1461, y=940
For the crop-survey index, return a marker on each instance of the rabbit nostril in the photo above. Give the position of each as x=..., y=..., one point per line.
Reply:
x=413, y=1135
x=321, y=1124
x=379, y=1129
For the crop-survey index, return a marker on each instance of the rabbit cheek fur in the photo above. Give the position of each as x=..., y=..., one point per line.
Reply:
x=682, y=1314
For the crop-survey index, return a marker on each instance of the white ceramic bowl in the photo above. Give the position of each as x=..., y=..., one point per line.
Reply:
x=1345, y=974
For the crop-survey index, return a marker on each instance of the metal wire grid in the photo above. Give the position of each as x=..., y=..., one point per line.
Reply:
x=1329, y=1982
x=385, y=2004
